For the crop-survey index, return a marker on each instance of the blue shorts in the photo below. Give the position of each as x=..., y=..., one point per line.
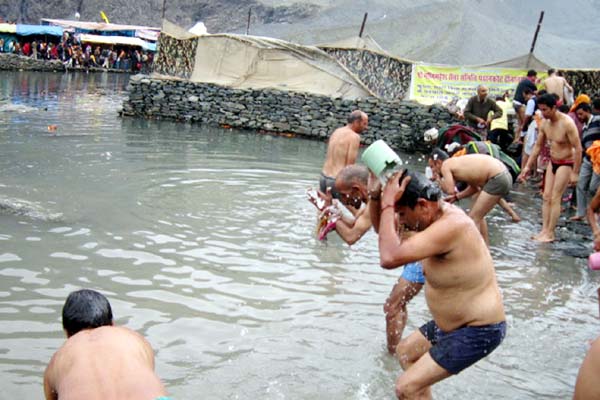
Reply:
x=463, y=347
x=413, y=272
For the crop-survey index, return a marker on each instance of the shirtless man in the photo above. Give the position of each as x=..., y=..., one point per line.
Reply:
x=556, y=84
x=342, y=149
x=486, y=177
x=355, y=184
x=99, y=360
x=461, y=292
x=565, y=158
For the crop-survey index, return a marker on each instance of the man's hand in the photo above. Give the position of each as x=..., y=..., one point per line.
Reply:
x=523, y=175
x=373, y=185
x=451, y=199
x=573, y=178
x=393, y=190
x=480, y=120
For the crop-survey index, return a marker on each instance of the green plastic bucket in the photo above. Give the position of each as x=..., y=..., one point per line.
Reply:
x=379, y=157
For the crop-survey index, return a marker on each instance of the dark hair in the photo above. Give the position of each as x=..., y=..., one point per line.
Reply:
x=419, y=187
x=439, y=154
x=541, y=92
x=547, y=99
x=551, y=71
x=355, y=115
x=563, y=108
x=85, y=309
x=531, y=73
x=584, y=106
x=527, y=91
x=596, y=103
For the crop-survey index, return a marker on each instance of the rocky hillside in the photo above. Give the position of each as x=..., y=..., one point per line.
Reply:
x=465, y=32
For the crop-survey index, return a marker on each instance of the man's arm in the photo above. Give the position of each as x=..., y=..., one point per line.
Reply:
x=591, y=217
x=468, y=112
x=573, y=136
x=352, y=233
x=497, y=111
x=395, y=251
x=353, y=151
x=49, y=389
x=447, y=180
x=541, y=141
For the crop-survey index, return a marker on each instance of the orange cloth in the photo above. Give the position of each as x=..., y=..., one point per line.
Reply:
x=594, y=152
x=459, y=153
x=582, y=98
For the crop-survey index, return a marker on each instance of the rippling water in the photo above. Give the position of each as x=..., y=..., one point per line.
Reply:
x=204, y=243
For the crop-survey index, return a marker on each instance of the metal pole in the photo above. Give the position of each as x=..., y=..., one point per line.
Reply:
x=537, y=30
x=248, y=26
x=163, y=9
x=362, y=27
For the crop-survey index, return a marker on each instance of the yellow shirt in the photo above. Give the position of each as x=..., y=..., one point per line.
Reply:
x=502, y=122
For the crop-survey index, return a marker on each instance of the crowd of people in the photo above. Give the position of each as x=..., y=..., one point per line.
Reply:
x=439, y=244
x=75, y=54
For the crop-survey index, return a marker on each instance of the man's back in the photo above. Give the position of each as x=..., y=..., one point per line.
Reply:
x=555, y=85
x=473, y=169
x=108, y=362
x=342, y=150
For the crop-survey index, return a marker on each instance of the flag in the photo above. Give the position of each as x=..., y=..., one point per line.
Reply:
x=104, y=17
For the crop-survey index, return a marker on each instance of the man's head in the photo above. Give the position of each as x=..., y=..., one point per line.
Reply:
x=547, y=105
x=358, y=121
x=420, y=202
x=551, y=72
x=528, y=94
x=596, y=105
x=85, y=309
x=531, y=75
x=436, y=159
x=482, y=92
x=584, y=112
x=351, y=183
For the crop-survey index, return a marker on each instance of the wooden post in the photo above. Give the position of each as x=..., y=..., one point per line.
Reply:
x=537, y=30
x=362, y=27
x=248, y=26
x=163, y=10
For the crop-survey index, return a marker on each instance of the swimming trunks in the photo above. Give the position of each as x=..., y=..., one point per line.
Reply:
x=413, y=272
x=499, y=185
x=328, y=182
x=556, y=164
x=462, y=347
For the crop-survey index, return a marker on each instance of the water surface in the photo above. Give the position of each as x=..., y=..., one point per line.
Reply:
x=203, y=241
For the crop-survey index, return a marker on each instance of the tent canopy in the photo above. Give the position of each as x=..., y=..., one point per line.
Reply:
x=118, y=40
x=26, y=30
x=95, y=26
x=355, y=42
x=526, y=61
x=8, y=28
x=198, y=29
x=257, y=62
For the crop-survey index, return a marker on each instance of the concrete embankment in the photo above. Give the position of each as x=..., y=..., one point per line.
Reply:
x=400, y=123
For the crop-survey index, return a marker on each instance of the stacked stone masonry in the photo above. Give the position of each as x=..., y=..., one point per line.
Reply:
x=400, y=123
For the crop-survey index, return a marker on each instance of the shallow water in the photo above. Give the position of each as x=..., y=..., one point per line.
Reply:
x=203, y=241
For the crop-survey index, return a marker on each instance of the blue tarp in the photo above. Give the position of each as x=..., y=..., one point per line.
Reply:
x=25, y=30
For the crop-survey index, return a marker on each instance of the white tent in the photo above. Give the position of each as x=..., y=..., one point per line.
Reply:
x=198, y=29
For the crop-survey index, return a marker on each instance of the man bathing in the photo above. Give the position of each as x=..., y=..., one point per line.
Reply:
x=486, y=177
x=565, y=161
x=342, y=149
x=99, y=360
x=461, y=292
x=355, y=184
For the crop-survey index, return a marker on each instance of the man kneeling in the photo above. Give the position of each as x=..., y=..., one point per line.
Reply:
x=99, y=360
x=461, y=289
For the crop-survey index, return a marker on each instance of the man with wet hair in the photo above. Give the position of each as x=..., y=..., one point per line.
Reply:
x=461, y=292
x=342, y=149
x=355, y=184
x=487, y=178
x=99, y=360
x=565, y=161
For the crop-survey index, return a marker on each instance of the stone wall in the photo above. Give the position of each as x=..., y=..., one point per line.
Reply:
x=400, y=123
x=15, y=62
x=583, y=81
x=175, y=57
x=387, y=77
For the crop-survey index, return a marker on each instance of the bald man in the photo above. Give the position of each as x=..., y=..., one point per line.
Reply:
x=477, y=111
x=342, y=150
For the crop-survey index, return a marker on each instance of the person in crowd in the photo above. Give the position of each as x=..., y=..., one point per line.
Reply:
x=477, y=111
x=565, y=153
x=485, y=176
x=99, y=360
x=582, y=98
x=588, y=181
x=27, y=49
x=527, y=129
x=519, y=101
x=458, y=266
x=596, y=106
x=2, y=45
x=556, y=84
x=499, y=133
x=342, y=150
